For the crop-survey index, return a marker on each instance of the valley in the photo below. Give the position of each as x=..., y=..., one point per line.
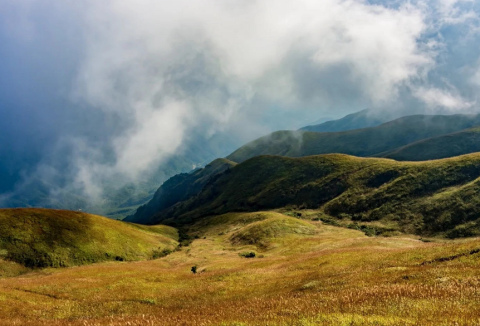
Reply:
x=304, y=273
x=291, y=229
x=240, y=163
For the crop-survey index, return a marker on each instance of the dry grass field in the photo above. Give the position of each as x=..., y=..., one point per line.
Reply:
x=304, y=273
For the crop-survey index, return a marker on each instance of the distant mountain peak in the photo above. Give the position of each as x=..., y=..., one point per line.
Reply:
x=361, y=119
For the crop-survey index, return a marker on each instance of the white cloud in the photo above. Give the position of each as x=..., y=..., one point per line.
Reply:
x=137, y=51
x=441, y=98
x=158, y=134
x=173, y=66
x=165, y=68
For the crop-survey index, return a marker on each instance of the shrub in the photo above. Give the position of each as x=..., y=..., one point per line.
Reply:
x=327, y=220
x=465, y=230
x=247, y=254
x=161, y=253
x=184, y=239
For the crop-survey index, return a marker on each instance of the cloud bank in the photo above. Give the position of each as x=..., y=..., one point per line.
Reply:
x=146, y=77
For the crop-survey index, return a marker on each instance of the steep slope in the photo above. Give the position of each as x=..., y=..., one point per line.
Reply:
x=56, y=238
x=357, y=120
x=455, y=144
x=179, y=188
x=360, y=142
x=426, y=197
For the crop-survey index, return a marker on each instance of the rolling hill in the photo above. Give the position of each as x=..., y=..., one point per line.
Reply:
x=286, y=267
x=35, y=237
x=361, y=142
x=261, y=268
x=434, y=197
x=455, y=144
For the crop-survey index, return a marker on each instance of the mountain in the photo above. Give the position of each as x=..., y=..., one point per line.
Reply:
x=373, y=141
x=321, y=120
x=455, y=144
x=361, y=119
x=360, y=142
x=179, y=188
x=431, y=197
x=57, y=238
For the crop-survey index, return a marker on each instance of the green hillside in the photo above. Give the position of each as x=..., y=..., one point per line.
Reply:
x=57, y=238
x=455, y=144
x=434, y=197
x=360, y=142
x=375, y=141
x=179, y=188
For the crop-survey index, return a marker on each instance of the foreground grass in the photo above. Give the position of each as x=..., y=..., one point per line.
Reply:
x=328, y=276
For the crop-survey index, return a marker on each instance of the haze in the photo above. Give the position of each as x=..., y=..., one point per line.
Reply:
x=104, y=91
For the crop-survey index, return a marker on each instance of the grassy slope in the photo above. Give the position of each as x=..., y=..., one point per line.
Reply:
x=455, y=144
x=44, y=237
x=363, y=142
x=417, y=197
x=332, y=276
x=360, y=142
x=178, y=188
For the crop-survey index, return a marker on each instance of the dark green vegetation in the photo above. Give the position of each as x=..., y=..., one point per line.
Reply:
x=247, y=254
x=429, y=198
x=361, y=142
x=179, y=188
x=384, y=140
x=455, y=144
x=58, y=238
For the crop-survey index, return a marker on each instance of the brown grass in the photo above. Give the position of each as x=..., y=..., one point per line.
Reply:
x=335, y=277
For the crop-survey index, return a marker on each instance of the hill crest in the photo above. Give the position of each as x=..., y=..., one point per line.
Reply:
x=37, y=237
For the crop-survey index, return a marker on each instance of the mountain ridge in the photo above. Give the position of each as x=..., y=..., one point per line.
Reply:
x=449, y=145
x=357, y=120
x=360, y=142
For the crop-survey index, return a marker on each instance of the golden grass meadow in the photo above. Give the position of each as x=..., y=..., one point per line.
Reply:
x=304, y=273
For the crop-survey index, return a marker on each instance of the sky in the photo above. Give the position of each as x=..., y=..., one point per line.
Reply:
x=109, y=89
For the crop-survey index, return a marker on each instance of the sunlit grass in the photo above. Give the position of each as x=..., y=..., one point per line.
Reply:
x=334, y=276
x=59, y=238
